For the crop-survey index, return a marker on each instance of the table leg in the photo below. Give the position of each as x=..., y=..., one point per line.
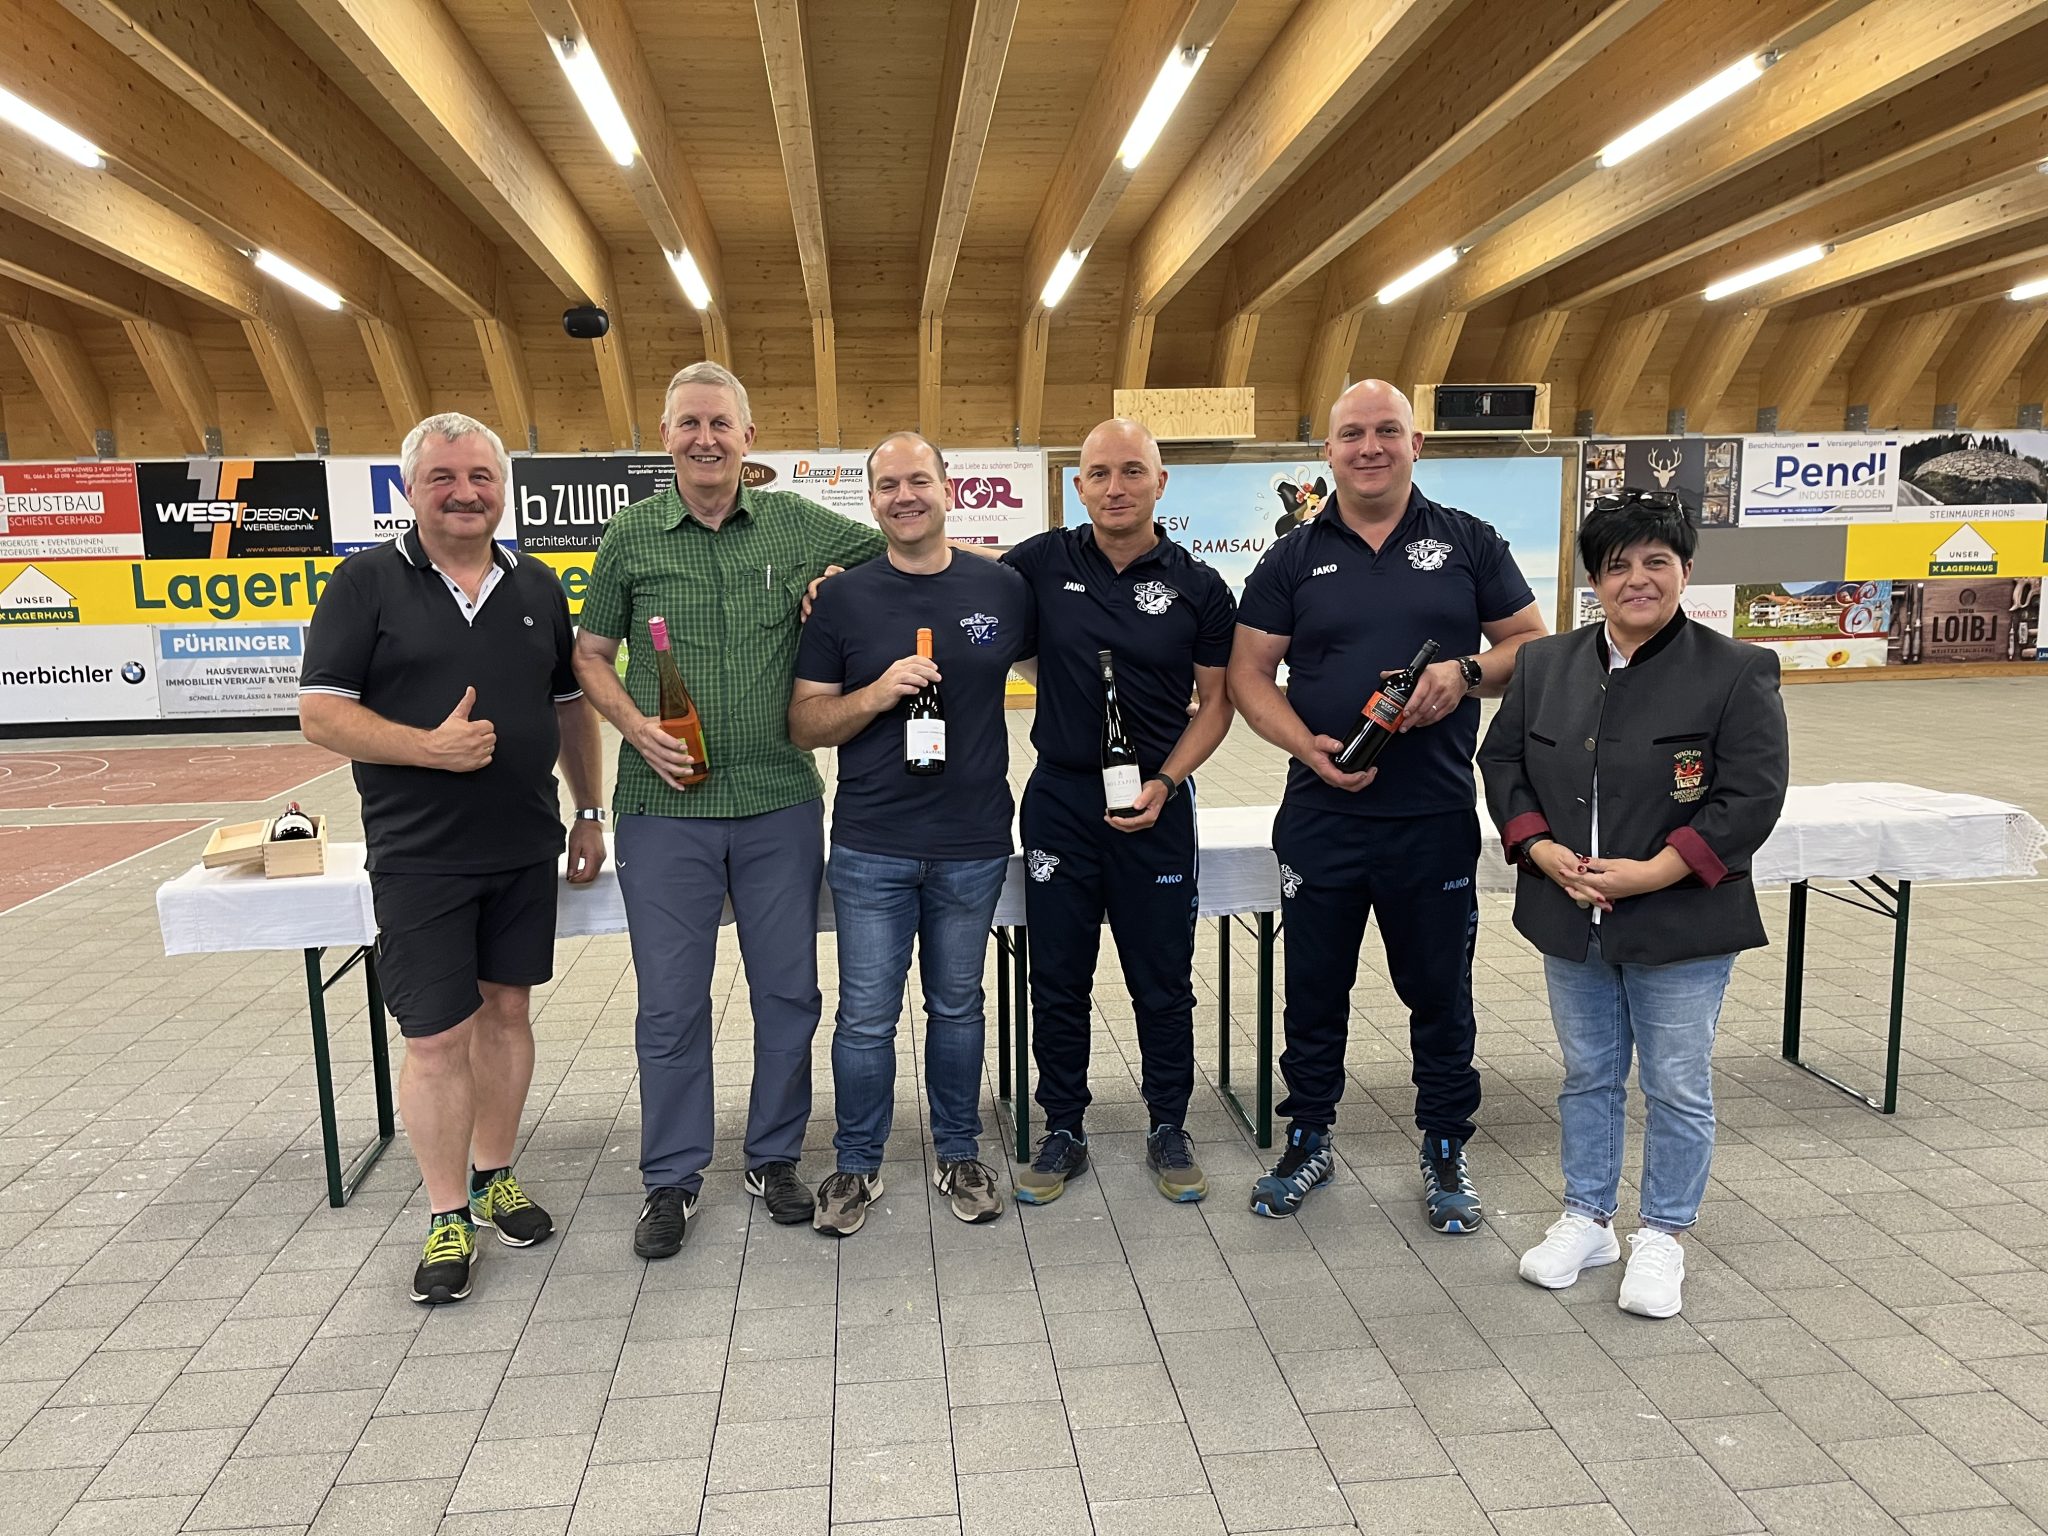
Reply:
x=1902, y=917
x=380, y=1050
x=1020, y=1102
x=1223, y=1005
x=342, y=1182
x=1887, y=901
x=1002, y=1015
x=323, y=1078
x=1795, y=971
x=1265, y=1068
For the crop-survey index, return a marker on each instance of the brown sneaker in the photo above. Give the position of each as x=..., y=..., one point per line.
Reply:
x=970, y=1189
x=843, y=1202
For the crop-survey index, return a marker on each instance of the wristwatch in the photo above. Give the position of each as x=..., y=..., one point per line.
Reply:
x=1468, y=668
x=1172, y=788
x=591, y=813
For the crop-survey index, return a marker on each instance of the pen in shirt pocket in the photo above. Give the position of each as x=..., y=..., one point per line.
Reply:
x=767, y=577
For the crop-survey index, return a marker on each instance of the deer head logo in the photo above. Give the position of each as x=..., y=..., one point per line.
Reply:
x=1665, y=468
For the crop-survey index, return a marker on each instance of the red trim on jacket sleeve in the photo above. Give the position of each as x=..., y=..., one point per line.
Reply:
x=1699, y=858
x=1518, y=831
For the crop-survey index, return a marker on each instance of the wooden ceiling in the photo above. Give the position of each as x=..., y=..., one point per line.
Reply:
x=876, y=190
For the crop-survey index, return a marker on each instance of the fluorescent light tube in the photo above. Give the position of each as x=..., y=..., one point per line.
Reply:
x=1804, y=257
x=1062, y=278
x=39, y=125
x=1175, y=76
x=298, y=281
x=586, y=78
x=2032, y=290
x=1686, y=108
x=1415, y=277
x=695, y=289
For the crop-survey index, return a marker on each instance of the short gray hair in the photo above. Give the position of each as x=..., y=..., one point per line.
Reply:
x=906, y=436
x=715, y=374
x=451, y=425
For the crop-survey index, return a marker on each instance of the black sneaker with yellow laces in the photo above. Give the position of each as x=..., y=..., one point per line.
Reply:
x=449, y=1259
x=497, y=1201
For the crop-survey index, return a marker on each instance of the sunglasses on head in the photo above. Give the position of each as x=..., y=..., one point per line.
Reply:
x=1656, y=501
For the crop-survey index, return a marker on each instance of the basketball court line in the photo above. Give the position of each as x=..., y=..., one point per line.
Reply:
x=142, y=776
x=40, y=861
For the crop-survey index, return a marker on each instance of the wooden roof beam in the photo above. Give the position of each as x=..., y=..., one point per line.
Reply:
x=287, y=368
x=1448, y=102
x=1528, y=345
x=1800, y=363
x=64, y=375
x=2034, y=377
x=1892, y=361
x=394, y=359
x=504, y=356
x=1872, y=55
x=786, y=50
x=1609, y=378
x=168, y=356
x=1993, y=341
x=1987, y=279
x=1715, y=350
x=1981, y=269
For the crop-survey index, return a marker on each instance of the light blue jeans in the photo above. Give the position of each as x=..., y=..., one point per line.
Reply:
x=1663, y=1015
x=880, y=904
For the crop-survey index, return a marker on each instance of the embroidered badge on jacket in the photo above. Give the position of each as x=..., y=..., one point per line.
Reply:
x=1688, y=775
x=1428, y=554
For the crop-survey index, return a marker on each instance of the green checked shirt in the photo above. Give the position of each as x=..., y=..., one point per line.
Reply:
x=732, y=600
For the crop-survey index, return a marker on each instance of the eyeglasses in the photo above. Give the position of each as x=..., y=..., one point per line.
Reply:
x=1630, y=496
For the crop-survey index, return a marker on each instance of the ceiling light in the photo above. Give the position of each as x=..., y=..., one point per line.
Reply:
x=1175, y=75
x=586, y=78
x=1062, y=278
x=1687, y=107
x=1805, y=257
x=2033, y=290
x=1415, y=277
x=39, y=125
x=298, y=281
x=695, y=289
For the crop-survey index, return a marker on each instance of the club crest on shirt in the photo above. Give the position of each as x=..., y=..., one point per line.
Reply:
x=980, y=627
x=1154, y=597
x=1041, y=864
x=1428, y=554
x=1290, y=882
x=1688, y=775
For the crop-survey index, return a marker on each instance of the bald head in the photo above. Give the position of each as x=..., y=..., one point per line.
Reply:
x=1119, y=438
x=1374, y=397
x=1120, y=478
x=1372, y=449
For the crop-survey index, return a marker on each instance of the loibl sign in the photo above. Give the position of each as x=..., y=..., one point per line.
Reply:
x=1796, y=482
x=69, y=512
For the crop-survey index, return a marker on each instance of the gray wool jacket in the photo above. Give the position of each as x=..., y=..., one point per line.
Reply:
x=1689, y=745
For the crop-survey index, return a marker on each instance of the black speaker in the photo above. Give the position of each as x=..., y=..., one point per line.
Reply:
x=586, y=322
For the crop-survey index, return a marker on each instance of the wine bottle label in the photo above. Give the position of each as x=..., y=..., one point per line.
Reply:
x=924, y=739
x=1386, y=709
x=1120, y=786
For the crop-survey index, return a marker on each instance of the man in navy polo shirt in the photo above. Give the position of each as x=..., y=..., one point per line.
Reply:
x=914, y=856
x=1117, y=583
x=1348, y=595
x=441, y=664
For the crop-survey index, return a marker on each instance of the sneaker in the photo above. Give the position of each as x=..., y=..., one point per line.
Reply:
x=1061, y=1156
x=787, y=1197
x=663, y=1221
x=1655, y=1276
x=843, y=1202
x=1310, y=1159
x=1171, y=1157
x=503, y=1206
x=1453, y=1202
x=1572, y=1244
x=970, y=1189
x=445, y=1266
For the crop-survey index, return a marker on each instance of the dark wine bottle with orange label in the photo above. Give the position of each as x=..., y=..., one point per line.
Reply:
x=677, y=710
x=1381, y=717
x=924, y=732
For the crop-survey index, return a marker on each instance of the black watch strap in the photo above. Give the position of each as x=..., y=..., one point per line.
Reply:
x=1172, y=788
x=1468, y=668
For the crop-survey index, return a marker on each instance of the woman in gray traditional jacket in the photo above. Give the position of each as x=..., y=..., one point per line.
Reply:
x=1633, y=769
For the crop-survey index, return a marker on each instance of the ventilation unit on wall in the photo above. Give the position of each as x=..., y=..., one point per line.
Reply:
x=1481, y=410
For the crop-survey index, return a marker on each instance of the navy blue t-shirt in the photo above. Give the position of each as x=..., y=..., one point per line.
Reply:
x=1351, y=614
x=1160, y=617
x=865, y=621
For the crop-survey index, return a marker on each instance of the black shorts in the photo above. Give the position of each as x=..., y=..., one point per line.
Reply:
x=439, y=935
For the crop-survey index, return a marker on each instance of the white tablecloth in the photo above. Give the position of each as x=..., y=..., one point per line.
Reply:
x=1828, y=831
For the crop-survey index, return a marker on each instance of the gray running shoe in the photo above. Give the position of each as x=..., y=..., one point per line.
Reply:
x=970, y=1189
x=843, y=1201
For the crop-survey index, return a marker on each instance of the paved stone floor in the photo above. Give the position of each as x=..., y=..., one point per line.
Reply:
x=191, y=1340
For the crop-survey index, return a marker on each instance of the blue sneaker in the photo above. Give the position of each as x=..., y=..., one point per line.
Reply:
x=1453, y=1202
x=1309, y=1161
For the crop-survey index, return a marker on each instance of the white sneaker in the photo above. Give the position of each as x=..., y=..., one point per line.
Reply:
x=1656, y=1271
x=1572, y=1244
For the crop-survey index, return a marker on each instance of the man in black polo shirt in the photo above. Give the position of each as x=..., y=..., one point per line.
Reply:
x=1118, y=584
x=1348, y=595
x=441, y=663
x=916, y=855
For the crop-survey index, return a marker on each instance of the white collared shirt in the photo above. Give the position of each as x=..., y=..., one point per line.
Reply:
x=462, y=600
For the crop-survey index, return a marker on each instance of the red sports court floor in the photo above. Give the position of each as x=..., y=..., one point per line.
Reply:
x=37, y=860
x=194, y=775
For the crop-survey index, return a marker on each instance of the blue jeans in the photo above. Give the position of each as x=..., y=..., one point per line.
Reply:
x=880, y=904
x=1665, y=1016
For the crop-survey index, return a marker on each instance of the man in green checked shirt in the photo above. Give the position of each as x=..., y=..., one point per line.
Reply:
x=728, y=568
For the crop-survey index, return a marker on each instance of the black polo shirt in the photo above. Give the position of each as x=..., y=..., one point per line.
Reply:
x=390, y=633
x=1350, y=614
x=1160, y=617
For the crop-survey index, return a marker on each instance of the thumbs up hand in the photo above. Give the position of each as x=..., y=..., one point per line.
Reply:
x=460, y=744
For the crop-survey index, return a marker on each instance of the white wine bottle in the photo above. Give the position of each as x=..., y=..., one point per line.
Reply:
x=1121, y=778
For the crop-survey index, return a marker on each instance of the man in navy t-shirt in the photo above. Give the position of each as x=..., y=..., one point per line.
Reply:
x=915, y=855
x=1350, y=594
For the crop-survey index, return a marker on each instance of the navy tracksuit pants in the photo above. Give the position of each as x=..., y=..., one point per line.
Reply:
x=1081, y=868
x=1416, y=875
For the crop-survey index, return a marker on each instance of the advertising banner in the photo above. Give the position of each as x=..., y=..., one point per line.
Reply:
x=1709, y=605
x=69, y=512
x=1703, y=471
x=998, y=497
x=1904, y=550
x=1807, y=481
x=228, y=669
x=231, y=509
x=1813, y=610
x=563, y=501
x=1828, y=655
x=160, y=591
x=829, y=477
x=62, y=675
x=1962, y=620
x=1988, y=476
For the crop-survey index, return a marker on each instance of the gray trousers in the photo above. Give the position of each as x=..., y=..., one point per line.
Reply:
x=675, y=873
